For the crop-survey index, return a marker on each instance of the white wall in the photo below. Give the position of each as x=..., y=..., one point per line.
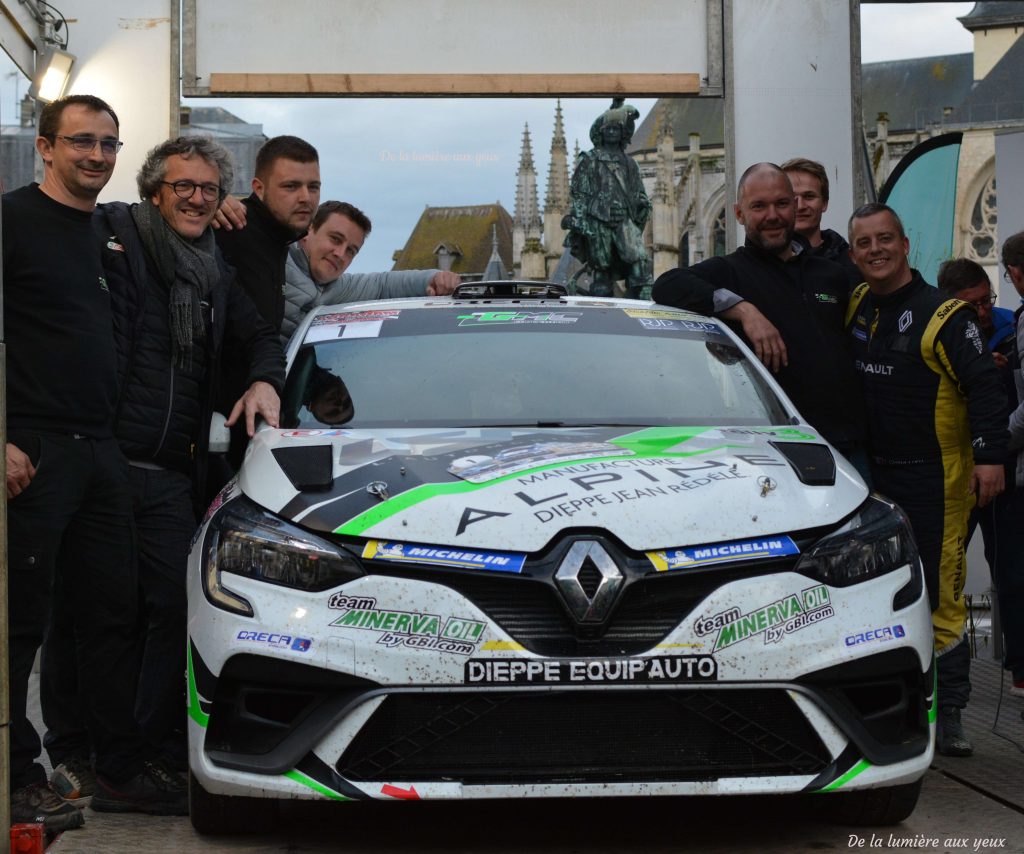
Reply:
x=123, y=50
x=450, y=37
x=791, y=85
x=1010, y=190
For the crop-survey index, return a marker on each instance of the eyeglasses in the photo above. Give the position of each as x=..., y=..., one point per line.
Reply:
x=984, y=302
x=185, y=189
x=88, y=143
x=1007, y=274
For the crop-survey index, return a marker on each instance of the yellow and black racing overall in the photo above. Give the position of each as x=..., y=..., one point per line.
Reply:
x=935, y=408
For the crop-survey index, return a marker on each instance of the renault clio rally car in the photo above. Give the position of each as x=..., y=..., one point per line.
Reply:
x=515, y=543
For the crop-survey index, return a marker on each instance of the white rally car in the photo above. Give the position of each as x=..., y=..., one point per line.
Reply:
x=521, y=544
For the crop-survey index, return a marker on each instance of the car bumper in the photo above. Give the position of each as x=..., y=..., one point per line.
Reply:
x=290, y=704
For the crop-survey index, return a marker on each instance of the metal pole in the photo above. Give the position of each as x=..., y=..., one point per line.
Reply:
x=729, y=123
x=5, y=705
x=5, y=702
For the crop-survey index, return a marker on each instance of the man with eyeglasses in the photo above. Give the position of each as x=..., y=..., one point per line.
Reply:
x=177, y=307
x=1000, y=521
x=69, y=508
x=966, y=280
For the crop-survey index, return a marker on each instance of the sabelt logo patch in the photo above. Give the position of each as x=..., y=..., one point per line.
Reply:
x=591, y=671
x=693, y=556
x=466, y=559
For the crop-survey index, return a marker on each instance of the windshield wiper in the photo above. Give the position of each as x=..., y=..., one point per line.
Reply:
x=552, y=424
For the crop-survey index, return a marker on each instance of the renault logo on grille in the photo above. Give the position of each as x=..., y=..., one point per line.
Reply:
x=593, y=605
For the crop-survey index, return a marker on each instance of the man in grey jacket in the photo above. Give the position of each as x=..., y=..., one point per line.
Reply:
x=315, y=270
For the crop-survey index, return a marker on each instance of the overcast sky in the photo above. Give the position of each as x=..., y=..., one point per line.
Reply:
x=393, y=157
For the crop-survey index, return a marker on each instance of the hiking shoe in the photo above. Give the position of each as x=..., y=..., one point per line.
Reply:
x=158, y=790
x=75, y=781
x=39, y=804
x=950, y=739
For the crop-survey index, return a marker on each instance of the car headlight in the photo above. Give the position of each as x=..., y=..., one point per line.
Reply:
x=245, y=539
x=874, y=541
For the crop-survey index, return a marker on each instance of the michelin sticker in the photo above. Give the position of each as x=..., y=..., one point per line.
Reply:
x=775, y=620
x=665, y=668
x=686, y=558
x=482, y=469
x=410, y=629
x=463, y=558
x=882, y=635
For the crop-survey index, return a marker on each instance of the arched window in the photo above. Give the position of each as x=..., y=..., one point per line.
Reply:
x=684, y=250
x=718, y=234
x=981, y=230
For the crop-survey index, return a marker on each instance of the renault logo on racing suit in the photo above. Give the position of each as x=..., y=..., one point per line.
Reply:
x=586, y=608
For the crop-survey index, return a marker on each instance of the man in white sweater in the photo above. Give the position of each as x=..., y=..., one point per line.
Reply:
x=315, y=269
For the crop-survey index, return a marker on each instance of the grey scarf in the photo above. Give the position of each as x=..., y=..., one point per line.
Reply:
x=187, y=267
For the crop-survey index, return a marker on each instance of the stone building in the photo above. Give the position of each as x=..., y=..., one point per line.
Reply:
x=680, y=144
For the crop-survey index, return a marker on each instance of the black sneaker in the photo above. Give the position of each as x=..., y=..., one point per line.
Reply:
x=39, y=804
x=75, y=781
x=158, y=790
x=950, y=739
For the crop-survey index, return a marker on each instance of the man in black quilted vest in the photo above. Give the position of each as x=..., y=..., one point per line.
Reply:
x=176, y=308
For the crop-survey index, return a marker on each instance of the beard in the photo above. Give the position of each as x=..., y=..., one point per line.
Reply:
x=775, y=245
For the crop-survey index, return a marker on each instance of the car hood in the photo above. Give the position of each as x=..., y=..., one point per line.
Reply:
x=516, y=489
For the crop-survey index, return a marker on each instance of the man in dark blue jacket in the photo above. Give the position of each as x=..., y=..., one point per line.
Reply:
x=176, y=308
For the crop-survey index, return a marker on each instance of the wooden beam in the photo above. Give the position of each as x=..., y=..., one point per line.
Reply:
x=418, y=85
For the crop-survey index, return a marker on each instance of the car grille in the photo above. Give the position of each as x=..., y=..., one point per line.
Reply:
x=533, y=612
x=584, y=737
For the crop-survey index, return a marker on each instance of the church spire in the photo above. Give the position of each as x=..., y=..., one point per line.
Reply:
x=556, y=199
x=526, y=221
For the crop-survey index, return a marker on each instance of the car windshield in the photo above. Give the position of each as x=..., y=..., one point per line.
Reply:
x=526, y=365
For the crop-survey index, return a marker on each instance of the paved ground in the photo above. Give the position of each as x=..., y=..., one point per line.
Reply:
x=964, y=804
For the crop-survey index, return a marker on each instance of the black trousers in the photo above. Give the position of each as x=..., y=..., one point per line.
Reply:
x=74, y=521
x=935, y=498
x=1002, y=528
x=164, y=522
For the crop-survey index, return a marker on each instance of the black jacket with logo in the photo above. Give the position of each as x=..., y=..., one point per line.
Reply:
x=805, y=297
x=931, y=387
x=163, y=410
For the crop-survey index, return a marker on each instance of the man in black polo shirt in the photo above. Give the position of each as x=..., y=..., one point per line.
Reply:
x=67, y=481
x=788, y=305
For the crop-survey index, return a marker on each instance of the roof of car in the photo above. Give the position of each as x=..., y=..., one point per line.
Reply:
x=518, y=301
